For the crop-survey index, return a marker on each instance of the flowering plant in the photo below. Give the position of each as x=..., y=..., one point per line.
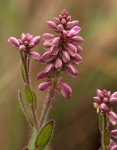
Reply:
x=103, y=103
x=62, y=54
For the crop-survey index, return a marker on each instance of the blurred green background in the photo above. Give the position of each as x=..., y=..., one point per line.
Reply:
x=76, y=119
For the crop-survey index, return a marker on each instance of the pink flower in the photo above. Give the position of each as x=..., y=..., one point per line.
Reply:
x=103, y=102
x=44, y=86
x=25, y=44
x=65, y=89
x=62, y=50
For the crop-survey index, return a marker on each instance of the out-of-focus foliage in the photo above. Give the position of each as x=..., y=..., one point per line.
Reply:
x=76, y=119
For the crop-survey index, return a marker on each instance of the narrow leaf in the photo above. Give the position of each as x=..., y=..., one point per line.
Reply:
x=26, y=109
x=28, y=94
x=106, y=138
x=44, y=136
x=23, y=73
x=34, y=99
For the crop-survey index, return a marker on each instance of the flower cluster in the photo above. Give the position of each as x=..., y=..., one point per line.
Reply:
x=103, y=102
x=25, y=44
x=62, y=52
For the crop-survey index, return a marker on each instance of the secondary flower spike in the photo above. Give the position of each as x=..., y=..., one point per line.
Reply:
x=103, y=101
x=62, y=50
x=25, y=44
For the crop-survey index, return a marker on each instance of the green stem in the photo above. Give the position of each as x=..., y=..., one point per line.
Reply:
x=26, y=63
x=102, y=123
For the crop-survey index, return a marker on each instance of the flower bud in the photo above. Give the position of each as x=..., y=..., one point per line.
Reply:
x=74, y=30
x=56, y=41
x=36, y=40
x=34, y=55
x=42, y=75
x=65, y=89
x=22, y=48
x=13, y=41
x=65, y=56
x=72, y=24
x=114, y=147
x=72, y=49
x=112, y=117
x=48, y=36
x=58, y=63
x=71, y=70
x=52, y=25
x=44, y=86
x=114, y=133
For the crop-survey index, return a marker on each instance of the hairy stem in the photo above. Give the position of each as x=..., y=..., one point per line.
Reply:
x=102, y=122
x=26, y=63
x=47, y=104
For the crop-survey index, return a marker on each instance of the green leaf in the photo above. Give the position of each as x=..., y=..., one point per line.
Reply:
x=23, y=73
x=34, y=100
x=28, y=94
x=106, y=138
x=26, y=109
x=44, y=136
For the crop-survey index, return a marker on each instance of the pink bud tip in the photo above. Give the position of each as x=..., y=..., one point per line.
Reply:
x=65, y=89
x=34, y=55
x=36, y=40
x=13, y=41
x=22, y=48
x=74, y=30
x=114, y=133
x=44, y=86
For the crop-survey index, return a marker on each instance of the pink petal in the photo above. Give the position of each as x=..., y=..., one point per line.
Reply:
x=65, y=89
x=114, y=133
x=75, y=30
x=58, y=63
x=34, y=55
x=48, y=36
x=71, y=70
x=72, y=24
x=44, y=86
x=13, y=41
x=52, y=25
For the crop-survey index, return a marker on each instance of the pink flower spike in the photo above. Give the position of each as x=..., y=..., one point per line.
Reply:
x=114, y=133
x=34, y=55
x=13, y=41
x=36, y=40
x=74, y=30
x=65, y=89
x=44, y=86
